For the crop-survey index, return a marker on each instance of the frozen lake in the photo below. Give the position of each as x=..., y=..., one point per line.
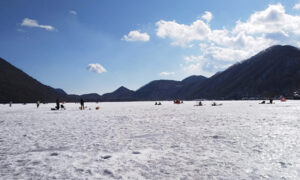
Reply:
x=137, y=140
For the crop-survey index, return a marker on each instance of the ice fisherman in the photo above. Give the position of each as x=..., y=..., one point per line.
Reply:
x=57, y=104
x=81, y=104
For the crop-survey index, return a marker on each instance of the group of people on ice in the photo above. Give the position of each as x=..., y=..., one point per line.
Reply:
x=61, y=106
x=270, y=101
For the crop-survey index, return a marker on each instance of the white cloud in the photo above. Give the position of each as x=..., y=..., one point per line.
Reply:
x=34, y=23
x=136, y=35
x=182, y=34
x=207, y=16
x=73, y=12
x=222, y=47
x=166, y=73
x=97, y=68
x=297, y=6
x=274, y=19
x=197, y=68
x=190, y=59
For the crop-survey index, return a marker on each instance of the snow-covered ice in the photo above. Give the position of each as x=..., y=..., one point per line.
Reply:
x=137, y=140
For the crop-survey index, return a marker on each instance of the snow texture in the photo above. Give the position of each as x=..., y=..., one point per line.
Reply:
x=137, y=140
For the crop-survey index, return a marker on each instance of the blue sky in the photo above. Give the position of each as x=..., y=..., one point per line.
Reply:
x=85, y=46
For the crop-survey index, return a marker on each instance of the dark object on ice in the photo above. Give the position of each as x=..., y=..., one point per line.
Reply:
x=177, y=101
x=107, y=172
x=37, y=104
x=62, y=107
x=57, y=104
x=199, y=104
x=106, y=157
x=218, y=137
x=271, y=101
x=54, y=154
x=157, y=103
x=215, y=104
x=81, y=104
x=263, y=102
x=136, y=152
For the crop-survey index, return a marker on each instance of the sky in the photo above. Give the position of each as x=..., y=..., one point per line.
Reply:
x=96, y=46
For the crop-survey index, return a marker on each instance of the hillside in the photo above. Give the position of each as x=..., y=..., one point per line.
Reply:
x=17, y=86
x=272, y=72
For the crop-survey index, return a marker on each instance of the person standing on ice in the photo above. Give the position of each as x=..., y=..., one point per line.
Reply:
x=37, y=104
x=82, y=104
x=57, y=104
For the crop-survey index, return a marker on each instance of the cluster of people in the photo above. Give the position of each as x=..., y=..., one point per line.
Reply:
x=58, y=106
x=264, y=102
x=158, y=103
x=81, y=107
x=215, y=104
x=177, y=101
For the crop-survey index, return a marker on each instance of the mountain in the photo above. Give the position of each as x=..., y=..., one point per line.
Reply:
x=92, y=97
x=272, y=72
x=193, y=79
x=189, y=84
x=17, y=86
x=61, y=91
x=167, y=89
x=158, y=90
x=121, y=94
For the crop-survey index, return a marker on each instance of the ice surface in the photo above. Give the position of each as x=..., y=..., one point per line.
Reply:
x=137, y=140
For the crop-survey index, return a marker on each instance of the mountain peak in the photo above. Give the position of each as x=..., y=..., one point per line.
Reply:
x=122, y=89
x=279, y=48
x=193, y=78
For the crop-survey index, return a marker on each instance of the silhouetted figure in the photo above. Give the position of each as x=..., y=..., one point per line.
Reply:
x=82, y=104
x=200, y=103
x=57, y=104
x=271, y=101
x=37, y=104
x=10, y=103
x=62, y=107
